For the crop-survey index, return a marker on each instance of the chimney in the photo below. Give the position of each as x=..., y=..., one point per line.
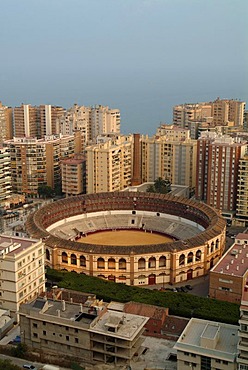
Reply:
x=58, y=312
x=63, y=305
x=231, y=262
x=237, y=268
x=227, y=267
x=81, y=307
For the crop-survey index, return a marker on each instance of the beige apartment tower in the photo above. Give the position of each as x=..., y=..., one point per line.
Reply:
x=109, y=164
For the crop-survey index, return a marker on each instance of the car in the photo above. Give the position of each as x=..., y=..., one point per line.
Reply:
x=30, y=367
x=189, y=287
x=184, y=289
x=17, y=339
x=179, y=289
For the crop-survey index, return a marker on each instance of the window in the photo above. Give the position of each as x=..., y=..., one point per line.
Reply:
x=67, y=337
x=44, y=332
x=35, y=325
x=35, y=335
x=76, y=340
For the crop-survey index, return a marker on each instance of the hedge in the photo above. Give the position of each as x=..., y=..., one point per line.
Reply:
x=179, y=304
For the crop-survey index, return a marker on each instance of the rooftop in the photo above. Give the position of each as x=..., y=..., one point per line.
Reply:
x=210, y=339
x=12, y=245
x=234, y=261
x=123, y=326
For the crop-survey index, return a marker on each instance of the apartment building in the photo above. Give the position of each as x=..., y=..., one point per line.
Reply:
x=241, y=216
x=22, y=275
x=230, y=275
x=5, y=176
x=6, y=122
x=109, y=164
x=223, y=162
x=224, y=112
x=91, y=121
x=73, y=173
x=217, y=167
x=242, y=358
x=36, y=121
x=36, y=162
x=170, y=158
x=86, y=331
x=207, y=345
x=183, y=114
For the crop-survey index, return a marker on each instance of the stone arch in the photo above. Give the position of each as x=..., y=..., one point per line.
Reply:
x=190, y=257
x=64, y=257
x=198, y=255
x=162, y=261
x=111, y=263
x=122, y=264
x=152, y=263
x=182, y=260
x=82, y=261
x=141, y=263
x=100, y=263
x=73, y=259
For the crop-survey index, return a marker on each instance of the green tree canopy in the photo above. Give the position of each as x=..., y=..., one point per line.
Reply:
x=160, y=186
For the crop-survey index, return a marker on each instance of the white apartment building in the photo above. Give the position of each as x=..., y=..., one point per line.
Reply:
x=22, y=274
x=207, y=345
x=91, y=121
x=109, y=165
x=5, y=176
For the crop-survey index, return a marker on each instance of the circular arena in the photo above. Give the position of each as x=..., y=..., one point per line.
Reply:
x=130, y=237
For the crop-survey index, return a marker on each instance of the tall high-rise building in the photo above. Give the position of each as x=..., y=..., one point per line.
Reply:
x=36, y=121
x=223, y=112
x=171, y=156
x=242, y=192
x=109, y=164
x=5, y=176
x=242, y=358
x=91, y=121
x=73, y=171
x=6, y=123
x=36, y=162
x=217, y=170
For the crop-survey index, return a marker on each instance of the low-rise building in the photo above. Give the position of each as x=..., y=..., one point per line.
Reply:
x=89, y=332
x=22, y=275
x=228, y=277
x=207, y=345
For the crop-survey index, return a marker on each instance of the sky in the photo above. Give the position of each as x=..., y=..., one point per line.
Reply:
x=140, y=56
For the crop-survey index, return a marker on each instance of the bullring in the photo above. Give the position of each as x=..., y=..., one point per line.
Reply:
x=197, y=232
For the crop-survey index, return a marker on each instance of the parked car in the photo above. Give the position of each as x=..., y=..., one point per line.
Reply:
x=30, y=367
x=17, y=340
x=179, y=289
x=184, y=289
x=189, y=287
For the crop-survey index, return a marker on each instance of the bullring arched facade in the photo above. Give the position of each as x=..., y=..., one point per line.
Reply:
x=173, y=262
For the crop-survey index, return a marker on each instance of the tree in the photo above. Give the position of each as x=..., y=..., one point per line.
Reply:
x=19, y=351
x=160, y=186
x=45, y=191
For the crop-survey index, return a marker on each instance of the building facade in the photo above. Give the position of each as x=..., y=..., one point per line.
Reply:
x=6, y=123
x=171, y=157
x=207, y=345
x=88, y=332
x=241, y=216
x=36, y=121
x=242, y=358
x=73, y=173
x=198, y=232
x=229, y=276
x=36, y=162
x=5, y=176
x=109, y=164
x=22, y=274
x=91, y=121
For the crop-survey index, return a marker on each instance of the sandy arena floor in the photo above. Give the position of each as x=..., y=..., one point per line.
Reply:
x=125, y=237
